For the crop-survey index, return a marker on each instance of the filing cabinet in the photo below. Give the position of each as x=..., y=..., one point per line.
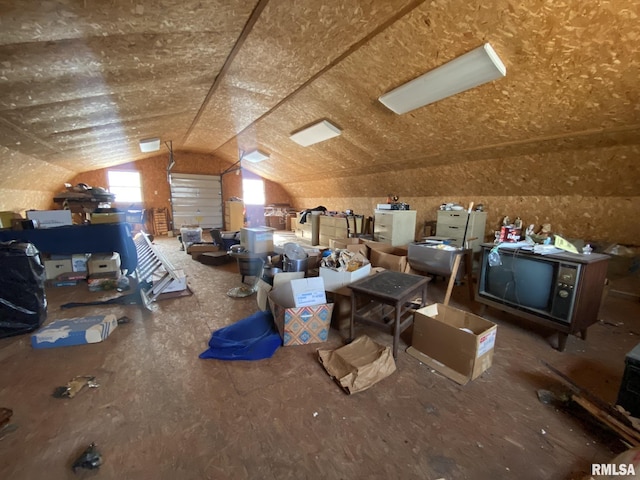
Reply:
x=452, y=223
x=396, y=227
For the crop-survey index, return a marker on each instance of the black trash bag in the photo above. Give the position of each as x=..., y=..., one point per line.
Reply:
x=23, y=302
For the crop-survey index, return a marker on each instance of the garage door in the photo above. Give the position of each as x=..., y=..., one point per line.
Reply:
x=196, y=200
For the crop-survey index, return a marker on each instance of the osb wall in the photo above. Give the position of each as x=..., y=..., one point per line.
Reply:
x=27, y=183
x=155, y=187
x=592, y=195
x=594, y=219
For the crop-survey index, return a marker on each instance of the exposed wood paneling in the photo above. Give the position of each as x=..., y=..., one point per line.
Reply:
x=83, y=81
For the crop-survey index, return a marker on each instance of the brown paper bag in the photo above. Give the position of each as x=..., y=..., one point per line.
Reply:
x=359, y=365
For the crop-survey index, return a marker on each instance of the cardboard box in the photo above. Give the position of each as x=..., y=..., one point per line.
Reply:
x=196, y=249
x=358, y=365
x=299, y=325
x=79, y=262
x=333, y=280
x=50, y=218
x=213, y=258
x=53, y=268
x=6, y=219
x=103, y=263
x=75, y=331
x=341, y=315
x=177, y=285
x=263, y=288
x=456, y=343
x=22, y=224
x=110, y=217
x=390, y=258
x=257, y=239
x=342, y=243
x=308, y=291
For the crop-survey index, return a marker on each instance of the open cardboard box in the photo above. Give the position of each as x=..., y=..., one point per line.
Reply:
x=388, y=257
x=263, y=288
x=300, y=325
x=334, y=280
x=456, y=343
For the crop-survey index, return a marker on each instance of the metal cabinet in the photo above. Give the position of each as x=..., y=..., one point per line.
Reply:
x=452, y=224
x=396, y=227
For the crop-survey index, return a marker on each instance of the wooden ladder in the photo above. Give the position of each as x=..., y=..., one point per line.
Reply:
x=150, y=262
x=160, y=221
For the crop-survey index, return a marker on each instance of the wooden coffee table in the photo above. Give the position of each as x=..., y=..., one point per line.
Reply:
x=384, y=301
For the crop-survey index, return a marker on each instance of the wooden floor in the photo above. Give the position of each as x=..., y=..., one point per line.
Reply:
x=162, y=413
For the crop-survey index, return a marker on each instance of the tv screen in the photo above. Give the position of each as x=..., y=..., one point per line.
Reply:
x=520, y=280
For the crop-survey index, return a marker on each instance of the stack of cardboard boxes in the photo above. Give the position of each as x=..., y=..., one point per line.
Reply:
x=104, y=271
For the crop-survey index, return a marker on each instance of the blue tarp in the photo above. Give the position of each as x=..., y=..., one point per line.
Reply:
x=252, y=338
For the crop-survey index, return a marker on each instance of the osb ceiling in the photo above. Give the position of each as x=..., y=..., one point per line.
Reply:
x=83, y=81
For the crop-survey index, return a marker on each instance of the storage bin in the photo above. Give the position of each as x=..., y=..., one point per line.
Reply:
x=191, y=235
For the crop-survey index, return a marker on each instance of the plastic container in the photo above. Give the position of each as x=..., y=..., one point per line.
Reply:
x=191, y=234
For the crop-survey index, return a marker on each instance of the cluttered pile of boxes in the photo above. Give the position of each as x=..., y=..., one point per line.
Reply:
x=101, y=271
x=456, y=343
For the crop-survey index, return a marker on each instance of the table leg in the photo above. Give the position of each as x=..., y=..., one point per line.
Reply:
x=353, y=316
x=424, y=295
x=396, y=331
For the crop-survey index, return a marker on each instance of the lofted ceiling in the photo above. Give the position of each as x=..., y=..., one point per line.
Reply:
x=82, y=81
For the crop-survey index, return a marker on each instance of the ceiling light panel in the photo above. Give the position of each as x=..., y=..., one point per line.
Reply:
x=255, y=156
x=470, y=70
x=319, y=132
x=149, y=145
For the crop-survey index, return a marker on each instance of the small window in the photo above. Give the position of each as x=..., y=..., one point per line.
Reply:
x=125, y=185
x=253, y=192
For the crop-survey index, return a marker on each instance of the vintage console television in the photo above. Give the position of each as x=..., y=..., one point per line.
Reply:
x=562, y=291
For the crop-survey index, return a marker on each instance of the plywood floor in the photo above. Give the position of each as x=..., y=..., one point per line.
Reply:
x=162, y=413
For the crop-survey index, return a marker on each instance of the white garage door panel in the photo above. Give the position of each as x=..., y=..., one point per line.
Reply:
x=196, y=200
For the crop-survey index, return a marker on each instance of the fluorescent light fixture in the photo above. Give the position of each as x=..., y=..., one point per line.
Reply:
x=149, y=145
x=255, y=156
x=474, y=68
x=319, y=132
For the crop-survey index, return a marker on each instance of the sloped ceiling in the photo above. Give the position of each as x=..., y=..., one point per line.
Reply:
x=81, y=82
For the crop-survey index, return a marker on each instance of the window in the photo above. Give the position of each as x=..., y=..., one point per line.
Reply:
x=253, y=192
x=125, y=186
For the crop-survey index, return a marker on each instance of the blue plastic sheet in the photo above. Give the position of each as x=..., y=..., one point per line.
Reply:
x=252, y=338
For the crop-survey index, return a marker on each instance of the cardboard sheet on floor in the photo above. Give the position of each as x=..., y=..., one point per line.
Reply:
x=252, y=338
x=359, y=365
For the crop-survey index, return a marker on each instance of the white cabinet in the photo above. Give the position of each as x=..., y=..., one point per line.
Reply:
x=397, y=227
x=452, y=224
